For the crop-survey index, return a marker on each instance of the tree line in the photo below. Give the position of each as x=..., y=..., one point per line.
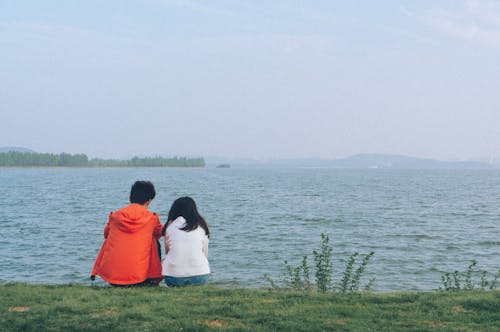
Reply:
x=32, y=159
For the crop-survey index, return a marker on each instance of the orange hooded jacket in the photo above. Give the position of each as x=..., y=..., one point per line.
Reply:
x=129, y=253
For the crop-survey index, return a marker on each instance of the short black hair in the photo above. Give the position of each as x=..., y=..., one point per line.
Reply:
x=141, y=192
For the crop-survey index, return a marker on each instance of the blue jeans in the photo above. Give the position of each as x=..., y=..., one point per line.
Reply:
x=186, y=281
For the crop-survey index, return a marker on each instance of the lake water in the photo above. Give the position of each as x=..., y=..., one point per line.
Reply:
x=419, y=223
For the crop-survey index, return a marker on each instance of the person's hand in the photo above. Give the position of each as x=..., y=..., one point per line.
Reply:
x=167, y=242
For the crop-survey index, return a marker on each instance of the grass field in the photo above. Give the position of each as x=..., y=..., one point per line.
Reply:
x=69, y=308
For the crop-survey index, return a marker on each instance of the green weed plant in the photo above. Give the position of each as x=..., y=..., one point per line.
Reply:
x=457, y=280
x=298, y=278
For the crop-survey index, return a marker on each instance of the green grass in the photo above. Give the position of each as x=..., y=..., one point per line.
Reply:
x=69, y=308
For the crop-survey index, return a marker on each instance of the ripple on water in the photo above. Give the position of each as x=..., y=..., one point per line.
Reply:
x=489, y=243
x=259, y=218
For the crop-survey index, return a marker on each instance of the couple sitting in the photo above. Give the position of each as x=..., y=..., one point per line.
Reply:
x=131, y=254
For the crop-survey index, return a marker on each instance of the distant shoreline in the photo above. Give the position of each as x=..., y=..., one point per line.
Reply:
x=33, y=159
x=106, y=167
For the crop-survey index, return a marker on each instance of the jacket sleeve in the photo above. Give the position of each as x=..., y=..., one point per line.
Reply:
x=97, y=263
x=106, y=229
x=157, y=229
x=154, y=270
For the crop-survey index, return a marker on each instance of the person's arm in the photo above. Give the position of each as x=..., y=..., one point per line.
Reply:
x=205, y=246
x=97, y=262
x=106, y=228
x=167, y=237
x=157, y=229
x=166, y=242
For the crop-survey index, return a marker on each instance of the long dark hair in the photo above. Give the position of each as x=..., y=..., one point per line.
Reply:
x=186, y=207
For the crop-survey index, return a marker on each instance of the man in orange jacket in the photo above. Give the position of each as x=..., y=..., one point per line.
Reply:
x=130, y=255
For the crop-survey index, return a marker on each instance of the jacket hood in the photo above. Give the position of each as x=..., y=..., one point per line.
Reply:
x=131, y=218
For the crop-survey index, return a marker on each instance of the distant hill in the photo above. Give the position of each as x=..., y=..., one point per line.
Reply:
x=384, y=161
x=404, y=162
x=14, y=148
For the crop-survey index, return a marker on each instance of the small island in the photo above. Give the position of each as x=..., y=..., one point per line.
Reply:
x=223, y=166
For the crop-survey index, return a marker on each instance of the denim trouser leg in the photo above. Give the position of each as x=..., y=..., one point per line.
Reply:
x=186, y=281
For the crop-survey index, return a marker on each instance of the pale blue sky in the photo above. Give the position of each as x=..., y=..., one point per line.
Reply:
x=260, y=79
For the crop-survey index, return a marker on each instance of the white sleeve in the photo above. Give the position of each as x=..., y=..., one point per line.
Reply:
x=205, y=246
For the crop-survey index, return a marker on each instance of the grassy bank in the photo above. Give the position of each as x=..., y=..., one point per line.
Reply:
x=35, y=308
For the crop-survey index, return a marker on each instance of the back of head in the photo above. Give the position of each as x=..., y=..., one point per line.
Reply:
x=141, y=192
x=186, y=207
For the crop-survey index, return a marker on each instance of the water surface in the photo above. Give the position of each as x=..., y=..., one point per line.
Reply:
x=419, y=223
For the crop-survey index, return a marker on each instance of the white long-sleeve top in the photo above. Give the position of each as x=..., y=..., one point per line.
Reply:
x=188, y=251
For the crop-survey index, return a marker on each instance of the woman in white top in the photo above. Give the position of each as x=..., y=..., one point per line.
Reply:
x=186, y=245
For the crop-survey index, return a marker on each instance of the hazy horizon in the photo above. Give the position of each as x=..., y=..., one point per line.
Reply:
x=262, y=80
x=221, y=159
